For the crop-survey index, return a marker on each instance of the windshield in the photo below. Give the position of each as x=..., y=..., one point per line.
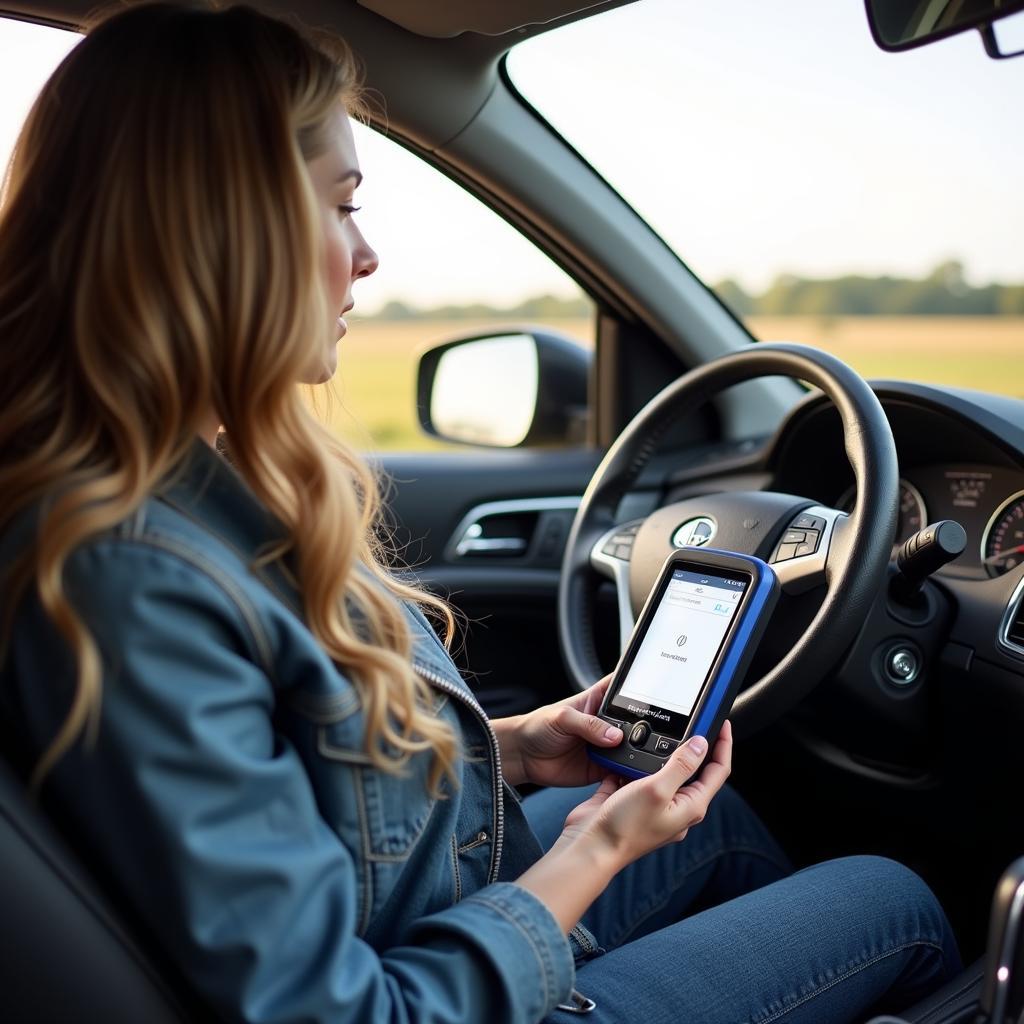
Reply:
x=864, y=202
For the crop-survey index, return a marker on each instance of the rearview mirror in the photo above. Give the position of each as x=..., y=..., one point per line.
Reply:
x=505, y=390
x=904, y=24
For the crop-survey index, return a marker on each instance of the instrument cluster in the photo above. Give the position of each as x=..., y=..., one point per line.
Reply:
x=988, y=501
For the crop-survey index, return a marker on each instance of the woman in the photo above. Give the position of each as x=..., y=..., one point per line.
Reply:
x=221, y=690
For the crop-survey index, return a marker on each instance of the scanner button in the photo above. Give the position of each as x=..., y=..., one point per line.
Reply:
x=663, y=745
x=804, y=549
x=639, y=733
x=794, y=537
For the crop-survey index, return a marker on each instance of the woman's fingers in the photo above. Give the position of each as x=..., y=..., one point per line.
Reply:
x=681, y=765
x=718, y=766
x=689, y=803
x=720, y=760
x=595, y=695
x=659, y=808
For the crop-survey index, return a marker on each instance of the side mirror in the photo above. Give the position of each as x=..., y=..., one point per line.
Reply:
x=505, y=390
x=904, y=24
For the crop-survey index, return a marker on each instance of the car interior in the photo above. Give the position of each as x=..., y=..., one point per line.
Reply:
x=888, y=694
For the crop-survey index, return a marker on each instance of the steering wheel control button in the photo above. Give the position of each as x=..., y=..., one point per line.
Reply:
x=664, y=746
x=807, y=522
x=802, y=538
x=902, y=665
x=639, y=734
x=620, y=545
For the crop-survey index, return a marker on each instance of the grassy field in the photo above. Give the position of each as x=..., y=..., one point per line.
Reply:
x=970, y=352
x=371, y=401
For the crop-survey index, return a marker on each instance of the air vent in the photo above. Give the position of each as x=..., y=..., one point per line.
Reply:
x=1015, y=630
x=1011, y=635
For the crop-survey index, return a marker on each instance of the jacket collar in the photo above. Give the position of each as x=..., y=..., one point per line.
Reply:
x=206, y=489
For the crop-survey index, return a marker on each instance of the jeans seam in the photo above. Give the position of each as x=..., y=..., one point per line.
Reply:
x=685, y=870
x=849, y=973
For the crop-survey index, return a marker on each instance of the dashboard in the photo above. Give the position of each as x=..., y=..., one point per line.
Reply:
x=961, y=457
x=955, y=463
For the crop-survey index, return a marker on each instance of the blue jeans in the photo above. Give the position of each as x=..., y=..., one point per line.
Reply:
x=718, y=930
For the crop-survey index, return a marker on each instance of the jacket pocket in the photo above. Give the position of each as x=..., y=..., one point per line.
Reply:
x=393, y=809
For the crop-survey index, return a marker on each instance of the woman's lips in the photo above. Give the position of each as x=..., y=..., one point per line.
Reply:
x=342, y=326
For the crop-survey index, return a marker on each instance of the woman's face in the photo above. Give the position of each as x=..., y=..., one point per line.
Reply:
x=335, y=176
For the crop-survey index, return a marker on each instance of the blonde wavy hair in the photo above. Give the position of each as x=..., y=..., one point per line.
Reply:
x=160, y=254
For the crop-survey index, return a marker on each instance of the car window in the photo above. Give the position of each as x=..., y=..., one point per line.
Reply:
x=865, y=202
x=449, y=266
x=28, y=55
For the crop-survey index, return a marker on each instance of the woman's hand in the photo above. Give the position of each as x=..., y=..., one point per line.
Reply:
x=548, y=746
x=621, y=822
x=629, y=819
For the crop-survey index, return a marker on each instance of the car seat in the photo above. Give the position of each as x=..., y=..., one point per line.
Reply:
x=65, y=954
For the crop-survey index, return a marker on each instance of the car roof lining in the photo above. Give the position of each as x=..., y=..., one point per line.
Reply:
x=400, y=43
x=501, y=22
x=488, y=17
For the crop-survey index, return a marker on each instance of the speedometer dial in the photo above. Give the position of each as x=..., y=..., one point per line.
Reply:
x=1002, y=544
x=913, y=514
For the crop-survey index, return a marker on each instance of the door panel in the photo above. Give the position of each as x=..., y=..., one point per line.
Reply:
x=505, y=593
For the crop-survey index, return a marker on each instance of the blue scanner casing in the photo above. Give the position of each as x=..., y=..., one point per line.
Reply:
x=727, y=672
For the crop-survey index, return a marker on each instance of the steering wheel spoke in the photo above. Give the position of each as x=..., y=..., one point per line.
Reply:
x=610, y=557
x=800, y=572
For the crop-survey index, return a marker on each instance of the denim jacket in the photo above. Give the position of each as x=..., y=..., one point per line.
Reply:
x=229, y=795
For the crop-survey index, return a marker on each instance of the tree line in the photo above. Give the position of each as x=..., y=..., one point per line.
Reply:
x=540, y=307
x=943, y=292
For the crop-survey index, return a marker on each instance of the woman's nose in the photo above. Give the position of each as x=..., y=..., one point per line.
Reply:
x=364, y=260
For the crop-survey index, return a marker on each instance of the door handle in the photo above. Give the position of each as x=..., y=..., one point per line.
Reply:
x=473, y=544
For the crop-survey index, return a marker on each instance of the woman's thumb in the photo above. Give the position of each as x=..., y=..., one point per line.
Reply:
x=685, y=760
x=590, y=727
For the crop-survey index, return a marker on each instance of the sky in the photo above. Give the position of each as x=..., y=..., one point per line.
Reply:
x=756, y=138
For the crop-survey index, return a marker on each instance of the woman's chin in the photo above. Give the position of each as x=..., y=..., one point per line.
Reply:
x=324, y=370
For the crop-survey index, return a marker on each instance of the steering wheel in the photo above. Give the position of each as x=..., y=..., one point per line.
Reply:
x=848, y=554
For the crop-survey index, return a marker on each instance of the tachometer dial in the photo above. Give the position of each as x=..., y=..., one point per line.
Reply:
x=913, y=514
x=1002, y=544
